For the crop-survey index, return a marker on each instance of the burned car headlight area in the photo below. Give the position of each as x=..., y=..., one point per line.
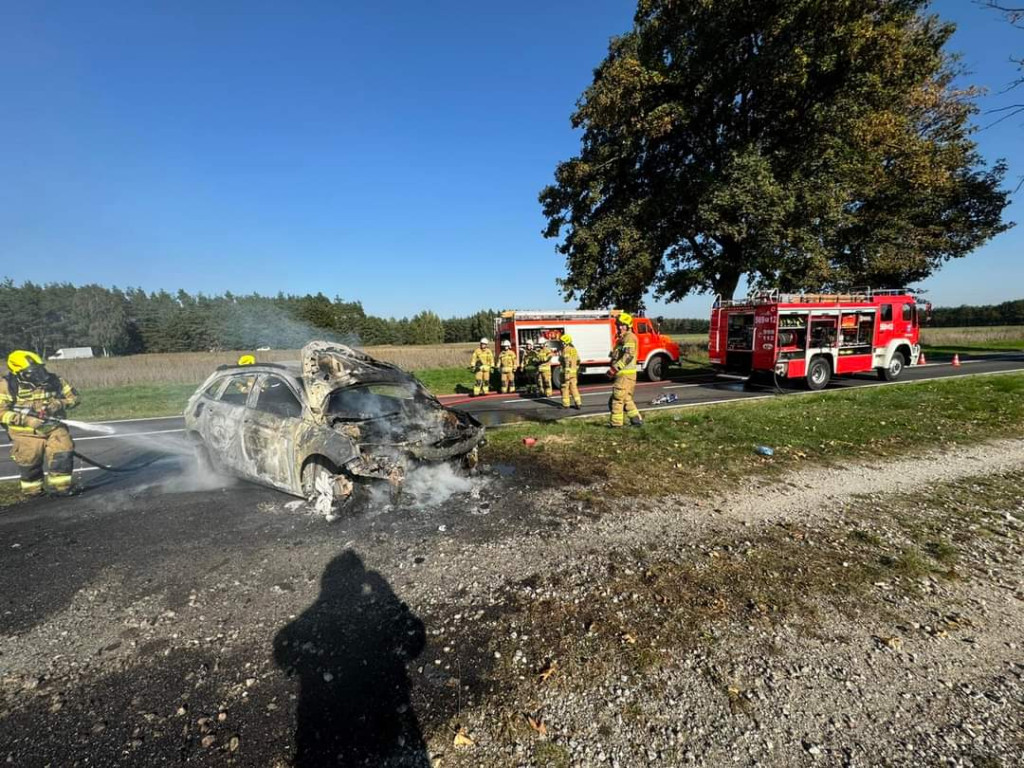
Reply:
x=321, y=427
x=396, y=425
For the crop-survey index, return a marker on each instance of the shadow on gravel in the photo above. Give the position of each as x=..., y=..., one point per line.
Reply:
x=349, y=651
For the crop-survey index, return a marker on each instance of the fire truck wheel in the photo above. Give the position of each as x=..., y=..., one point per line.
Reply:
x=894, y=369
x=656, y=368
x=556, y=378
x=818, y=373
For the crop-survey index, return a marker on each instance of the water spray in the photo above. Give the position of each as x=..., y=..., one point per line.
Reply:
x=86, y=426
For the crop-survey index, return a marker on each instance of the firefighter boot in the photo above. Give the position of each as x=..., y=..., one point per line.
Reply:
x=636, y=421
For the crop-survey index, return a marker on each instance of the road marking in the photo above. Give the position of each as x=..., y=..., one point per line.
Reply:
x=684, y=386
x=145, y=418
x=121, y=436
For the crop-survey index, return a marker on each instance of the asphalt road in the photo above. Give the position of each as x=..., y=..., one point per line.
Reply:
x=142, y=440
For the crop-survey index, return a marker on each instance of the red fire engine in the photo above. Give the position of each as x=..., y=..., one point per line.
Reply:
x=593, y=334
x=816, y=336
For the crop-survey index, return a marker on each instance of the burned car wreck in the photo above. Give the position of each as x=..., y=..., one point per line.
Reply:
x=322, y=427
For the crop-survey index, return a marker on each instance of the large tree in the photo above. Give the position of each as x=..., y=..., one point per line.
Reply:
x=800, y=143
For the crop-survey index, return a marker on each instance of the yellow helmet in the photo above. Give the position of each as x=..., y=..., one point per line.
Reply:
x=246, y=360
x=625, y=318
x=566, y=338
x=20, y=359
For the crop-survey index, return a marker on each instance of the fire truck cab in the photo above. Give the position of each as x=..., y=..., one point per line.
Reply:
x=593, y=333
x=816, y=336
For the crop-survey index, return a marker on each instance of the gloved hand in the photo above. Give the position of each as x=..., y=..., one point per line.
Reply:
x=27, y=420
x=611, y=373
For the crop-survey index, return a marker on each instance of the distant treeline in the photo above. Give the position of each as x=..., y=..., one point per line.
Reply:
x=45, y=318
x=1007, y=313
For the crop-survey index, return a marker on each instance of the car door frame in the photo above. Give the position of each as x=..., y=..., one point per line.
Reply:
x=222, y=429
x=275, y=467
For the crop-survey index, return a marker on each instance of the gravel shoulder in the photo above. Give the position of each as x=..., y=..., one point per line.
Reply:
x=863, y=616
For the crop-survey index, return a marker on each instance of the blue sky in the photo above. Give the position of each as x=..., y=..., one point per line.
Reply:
x=385, y=152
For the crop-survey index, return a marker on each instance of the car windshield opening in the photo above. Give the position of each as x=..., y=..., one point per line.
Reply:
x=371, y=401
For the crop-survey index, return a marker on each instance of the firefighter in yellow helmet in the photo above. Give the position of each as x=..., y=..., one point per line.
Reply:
x=482, y=362
x=623, y=368
x=570, y=359
x=32, y=401
x=543, y=356
x=507, y=364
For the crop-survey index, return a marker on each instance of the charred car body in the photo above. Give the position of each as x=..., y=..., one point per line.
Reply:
x=320, y=427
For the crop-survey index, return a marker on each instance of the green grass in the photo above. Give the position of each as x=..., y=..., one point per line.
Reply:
x=447, y=381
x=690, y=338
x=10, y=493
x=1014, y=345
x=696, y=450
x=132, y=402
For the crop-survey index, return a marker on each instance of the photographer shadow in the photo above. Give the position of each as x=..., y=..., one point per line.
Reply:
x=349, y=650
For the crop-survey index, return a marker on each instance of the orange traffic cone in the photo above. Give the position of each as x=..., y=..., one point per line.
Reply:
x=956, y=360
x=921, y=360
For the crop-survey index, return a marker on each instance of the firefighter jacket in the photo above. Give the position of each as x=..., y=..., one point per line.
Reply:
x=624, y=355
x=542, y=357
x=482, y=358
x=508, y=361
x=51, y=398
x=570, y=360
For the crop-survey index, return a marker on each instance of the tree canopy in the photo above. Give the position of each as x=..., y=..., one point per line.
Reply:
x=800, y=143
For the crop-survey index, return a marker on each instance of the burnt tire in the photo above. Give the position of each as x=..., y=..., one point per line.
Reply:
x=892, y=371
x=318, y=478
x=818, y=374
x=657, y=368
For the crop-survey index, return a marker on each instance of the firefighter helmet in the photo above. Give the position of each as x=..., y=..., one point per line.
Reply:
x=566, y=338
x=624, y=318
x=506, y=344
x=484, y=342
x=246, y=360
x=20, y=359
x=529, y=342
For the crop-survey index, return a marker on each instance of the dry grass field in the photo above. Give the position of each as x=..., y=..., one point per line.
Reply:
x=974, y=336
x=193, y=367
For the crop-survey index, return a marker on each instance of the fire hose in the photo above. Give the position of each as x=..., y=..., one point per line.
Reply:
x=51, y=421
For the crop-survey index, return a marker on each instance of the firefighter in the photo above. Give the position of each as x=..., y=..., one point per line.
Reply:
x=624, y=370
x=482, y=362
x=32, y=401
x=543, y=357
x=570, y=373
x=528, y=366
x=507, y=362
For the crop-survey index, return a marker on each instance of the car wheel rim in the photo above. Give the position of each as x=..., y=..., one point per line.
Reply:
x=895, y=367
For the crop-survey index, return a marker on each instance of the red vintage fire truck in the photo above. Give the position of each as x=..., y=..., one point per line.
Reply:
x=593, y=333
x=816, y=336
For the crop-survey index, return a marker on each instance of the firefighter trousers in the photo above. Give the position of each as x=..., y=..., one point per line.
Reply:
x=482, y=385
x=622, y=399
x=28, y=451
x=570, y=389
x=545, y=380
x=508, y=382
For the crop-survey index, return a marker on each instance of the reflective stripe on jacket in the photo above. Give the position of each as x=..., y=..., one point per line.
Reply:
x=624, y=355
x=54, y=397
